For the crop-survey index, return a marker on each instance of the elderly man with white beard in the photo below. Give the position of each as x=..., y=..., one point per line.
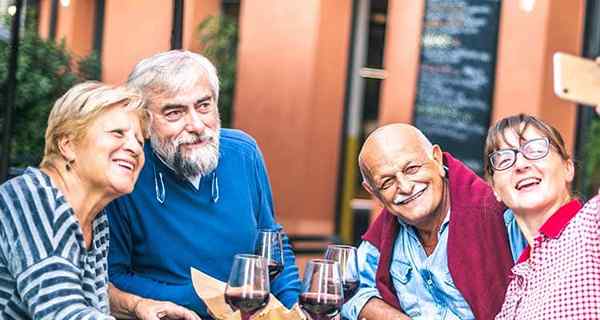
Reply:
x=200, y=199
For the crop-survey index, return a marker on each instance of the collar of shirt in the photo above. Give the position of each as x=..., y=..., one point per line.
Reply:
x=195, y=181
x=442, y=227
x=555, y=225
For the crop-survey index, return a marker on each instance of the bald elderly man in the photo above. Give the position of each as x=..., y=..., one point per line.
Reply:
x=440, y=248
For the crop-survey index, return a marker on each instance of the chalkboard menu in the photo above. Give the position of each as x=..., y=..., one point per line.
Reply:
x=456, y=75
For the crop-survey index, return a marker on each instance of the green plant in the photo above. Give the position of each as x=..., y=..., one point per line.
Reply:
x=218, y=36
x=591, y=162
x=46, y=70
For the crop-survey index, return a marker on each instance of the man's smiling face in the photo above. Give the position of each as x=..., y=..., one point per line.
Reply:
x=405, y=173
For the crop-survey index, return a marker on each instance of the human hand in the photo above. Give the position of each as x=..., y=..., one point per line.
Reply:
x=148, y=309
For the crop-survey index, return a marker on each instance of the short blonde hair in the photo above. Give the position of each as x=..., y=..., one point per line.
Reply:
x=81, y=105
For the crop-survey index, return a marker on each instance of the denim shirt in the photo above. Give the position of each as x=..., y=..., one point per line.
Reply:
x=423, y=284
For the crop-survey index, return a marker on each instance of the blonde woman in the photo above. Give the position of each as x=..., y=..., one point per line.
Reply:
x=53, y=230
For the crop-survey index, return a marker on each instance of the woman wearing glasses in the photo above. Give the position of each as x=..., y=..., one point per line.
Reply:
x=558, y=274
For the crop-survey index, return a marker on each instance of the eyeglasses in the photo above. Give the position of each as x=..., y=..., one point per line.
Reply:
x=534, y=149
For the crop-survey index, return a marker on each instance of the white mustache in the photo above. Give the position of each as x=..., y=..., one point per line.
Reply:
x=186, y=137
x=402, y=199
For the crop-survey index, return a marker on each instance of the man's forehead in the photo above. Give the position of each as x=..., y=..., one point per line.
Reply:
x=382, y=155
x=184, y=97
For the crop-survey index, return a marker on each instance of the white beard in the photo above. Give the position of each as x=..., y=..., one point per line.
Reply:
x=194, y=163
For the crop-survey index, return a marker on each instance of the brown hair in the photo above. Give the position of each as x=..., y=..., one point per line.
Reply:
x=518, y=124
x=81, y=105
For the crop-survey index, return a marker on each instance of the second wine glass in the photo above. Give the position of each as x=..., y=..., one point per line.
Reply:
x=269, y=245
x=248, y=287
x=321, y=297
x=346, y=257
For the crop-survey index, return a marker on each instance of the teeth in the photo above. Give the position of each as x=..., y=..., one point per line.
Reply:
x=125, y=164
x=526, y=182
x=400, y=200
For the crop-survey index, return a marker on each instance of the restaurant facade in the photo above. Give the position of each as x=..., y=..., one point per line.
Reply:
x=314, y=77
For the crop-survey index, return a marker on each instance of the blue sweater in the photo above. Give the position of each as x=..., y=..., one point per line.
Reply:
x=165, y=226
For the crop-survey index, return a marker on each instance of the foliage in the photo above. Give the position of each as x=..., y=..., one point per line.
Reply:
x=46, y=70
x=591, y=164
x=218, y=36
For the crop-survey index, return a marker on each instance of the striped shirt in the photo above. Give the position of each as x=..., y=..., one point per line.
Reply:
x=46, y=272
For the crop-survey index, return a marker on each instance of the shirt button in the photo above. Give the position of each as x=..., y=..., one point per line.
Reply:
x=429, y=282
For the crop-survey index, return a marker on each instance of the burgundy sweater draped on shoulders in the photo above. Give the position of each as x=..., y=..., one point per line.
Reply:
x=479, y=257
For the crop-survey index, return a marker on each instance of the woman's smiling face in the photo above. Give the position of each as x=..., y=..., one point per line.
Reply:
x=532, y=185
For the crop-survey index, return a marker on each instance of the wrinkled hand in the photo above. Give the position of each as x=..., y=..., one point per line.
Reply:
x=148, y=309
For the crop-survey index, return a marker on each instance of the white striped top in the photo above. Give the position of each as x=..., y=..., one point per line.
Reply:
x=45, y=270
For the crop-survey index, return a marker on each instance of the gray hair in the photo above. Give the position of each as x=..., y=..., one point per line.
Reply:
x=173, y=71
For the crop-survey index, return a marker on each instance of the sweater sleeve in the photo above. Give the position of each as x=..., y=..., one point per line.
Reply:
x=122, y=275
x=286, y=286
x=35, y=234
x=51, y=289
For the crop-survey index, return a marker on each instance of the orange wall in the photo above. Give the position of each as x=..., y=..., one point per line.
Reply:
x=401, y=61
x=133, y=31
x=290, y=95
x=44, y=16
x=194, y=13
x=524, y=66
x=75, y=26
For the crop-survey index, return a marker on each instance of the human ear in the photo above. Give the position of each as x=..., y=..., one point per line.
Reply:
x=368, y=188
x=497, y=196
x=438, y=158
x=66, y=146
x=569, y=170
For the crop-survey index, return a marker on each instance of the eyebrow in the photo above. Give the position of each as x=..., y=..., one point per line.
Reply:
x=388, y=174
x=171, y=106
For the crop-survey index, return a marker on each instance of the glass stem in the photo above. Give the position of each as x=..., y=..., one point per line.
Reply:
x=246, y=315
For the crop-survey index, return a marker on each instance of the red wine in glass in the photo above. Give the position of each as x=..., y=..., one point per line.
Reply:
x=275, y=269
x=269, y=245
x=347, y=258
x=321, y=306
x=248, y=304
x=350, y=287
x=322, y=295
x=247, y=289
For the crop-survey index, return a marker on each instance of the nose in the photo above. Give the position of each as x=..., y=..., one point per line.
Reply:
x=404, y=185
x=194, y=122
x=132, y=145
x=521, y=163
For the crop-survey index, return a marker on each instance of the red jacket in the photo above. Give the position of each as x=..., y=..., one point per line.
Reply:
x=479, y=257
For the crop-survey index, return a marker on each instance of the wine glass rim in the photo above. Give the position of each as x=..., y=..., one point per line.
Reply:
x=323, y=261
x=249, y=256
x=342, y=246
x=268, y=230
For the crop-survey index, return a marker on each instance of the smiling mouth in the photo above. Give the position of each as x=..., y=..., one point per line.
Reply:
x=527, y=182
x=411, y=197
x=125, y=164
x=199, y=142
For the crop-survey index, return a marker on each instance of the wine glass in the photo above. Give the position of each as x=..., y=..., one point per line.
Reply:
x=248, y=287
x=269, y=245
x=346, y=257
x=322, y=295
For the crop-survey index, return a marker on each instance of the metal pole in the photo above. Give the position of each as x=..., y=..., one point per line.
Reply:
x=10, y=87
x=177, y=26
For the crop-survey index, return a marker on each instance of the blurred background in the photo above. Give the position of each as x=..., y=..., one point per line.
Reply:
x=311, y=79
